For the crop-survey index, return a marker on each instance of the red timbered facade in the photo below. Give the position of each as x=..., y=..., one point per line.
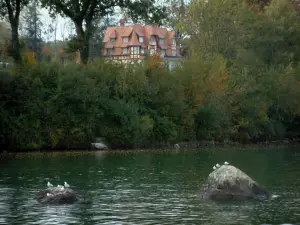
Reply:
x=133, y=43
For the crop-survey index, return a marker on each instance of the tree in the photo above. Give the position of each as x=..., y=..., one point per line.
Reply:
x=84, y=12
x=12, y=9
x=177, y=12
x=96, y=41
x=4, y=37
x=33, y=28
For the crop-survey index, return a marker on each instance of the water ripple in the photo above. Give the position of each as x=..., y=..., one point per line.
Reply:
x=152, y=189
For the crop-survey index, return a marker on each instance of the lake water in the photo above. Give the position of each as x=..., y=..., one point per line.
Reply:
x=139, y=187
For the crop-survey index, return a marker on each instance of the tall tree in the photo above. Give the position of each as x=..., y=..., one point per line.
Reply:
x=84, y=12
x=96, y=41
x=33, y=28
x=12, y=9
x=4, y=37
x=177, y=12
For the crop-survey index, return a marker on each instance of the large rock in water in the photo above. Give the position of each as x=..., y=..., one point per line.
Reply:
x=228, y=182
x=56, y=195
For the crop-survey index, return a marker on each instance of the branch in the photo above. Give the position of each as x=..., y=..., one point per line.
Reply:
x=85, y=7
x=10, y=11
x=62, y=7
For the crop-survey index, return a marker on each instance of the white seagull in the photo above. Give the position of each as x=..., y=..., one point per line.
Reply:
x=226, y=163
x=49, y=184
x=66, y=184
x=48, y=194
x=214, y=167
x=218, y=165
x=59, y=186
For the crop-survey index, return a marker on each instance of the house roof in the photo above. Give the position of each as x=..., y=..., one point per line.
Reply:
x=133, y=33
x=127, y=31
x=109, y=45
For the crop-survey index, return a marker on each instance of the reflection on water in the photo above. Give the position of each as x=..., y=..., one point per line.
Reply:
x=147, y=188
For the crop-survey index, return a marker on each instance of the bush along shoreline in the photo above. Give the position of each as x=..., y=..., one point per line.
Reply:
x=54, y=106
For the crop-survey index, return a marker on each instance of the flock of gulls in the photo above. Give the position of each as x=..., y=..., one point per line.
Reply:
x=66, y=185
x=61, y=187
x=218, y=165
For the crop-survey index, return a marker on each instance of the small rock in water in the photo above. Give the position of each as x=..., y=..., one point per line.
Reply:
x=99, y=146
x=56, y=195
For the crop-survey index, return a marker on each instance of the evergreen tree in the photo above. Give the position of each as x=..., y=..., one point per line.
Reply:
x=33, y=28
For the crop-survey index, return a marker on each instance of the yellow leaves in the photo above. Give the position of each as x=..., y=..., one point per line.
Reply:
x=29, y=58
x=218, y=76
x=199, y=100
x=154, y=62
x=55, y=136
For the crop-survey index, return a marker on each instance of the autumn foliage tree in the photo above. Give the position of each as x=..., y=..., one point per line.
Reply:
x=12, y=10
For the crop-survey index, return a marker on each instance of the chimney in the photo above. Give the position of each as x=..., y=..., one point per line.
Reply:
x=122, y=22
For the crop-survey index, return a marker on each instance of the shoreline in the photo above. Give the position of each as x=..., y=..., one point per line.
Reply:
x=203, y=146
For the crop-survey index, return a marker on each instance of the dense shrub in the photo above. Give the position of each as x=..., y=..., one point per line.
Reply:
x=240, y=82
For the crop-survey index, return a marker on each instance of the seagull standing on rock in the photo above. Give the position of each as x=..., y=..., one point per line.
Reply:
x=49, y=184
x=218, y=165
x=226, y=163
x=66, y=184
x=214, y=167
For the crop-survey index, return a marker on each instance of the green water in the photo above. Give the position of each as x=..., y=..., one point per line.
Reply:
x=147, y=187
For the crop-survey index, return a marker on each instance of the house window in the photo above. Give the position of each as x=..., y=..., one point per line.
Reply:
x=125, y=39
x=135, y=50
x=152, y=39
x=112, y=40
x=124, y=51
x=162, y=52
x=110, y=51
x=161, y=41
x=174, y=53
x=141, y=39
x=152, y=51
x=142, y=51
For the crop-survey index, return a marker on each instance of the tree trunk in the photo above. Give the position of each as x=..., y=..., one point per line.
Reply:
x=85, y=49
x=15, y=44
x=14, y=23
x=83, y=38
